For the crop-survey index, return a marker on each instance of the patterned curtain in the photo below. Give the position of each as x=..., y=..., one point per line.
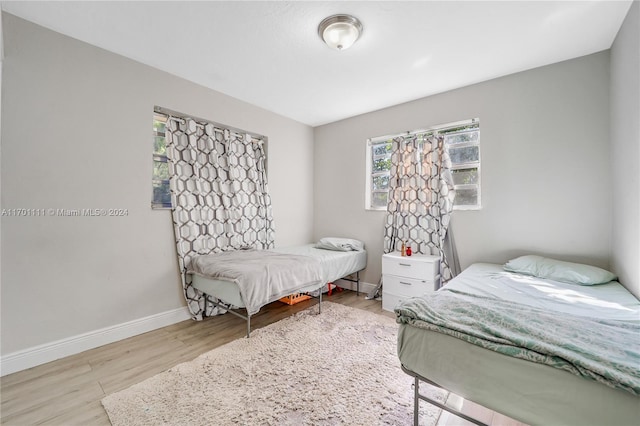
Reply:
x=421, y=195
x=219, y=195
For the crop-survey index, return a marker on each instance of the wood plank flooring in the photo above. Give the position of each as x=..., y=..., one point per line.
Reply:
x=68, y=391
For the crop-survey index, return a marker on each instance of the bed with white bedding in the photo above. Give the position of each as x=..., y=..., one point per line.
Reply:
x=250, y=279
x=498, y=348
x=335, y=264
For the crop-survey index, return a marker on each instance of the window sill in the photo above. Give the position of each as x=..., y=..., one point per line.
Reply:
x=466, y=208
x=160, y=207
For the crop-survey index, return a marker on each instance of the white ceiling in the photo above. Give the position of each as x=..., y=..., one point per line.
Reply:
x=268, y=53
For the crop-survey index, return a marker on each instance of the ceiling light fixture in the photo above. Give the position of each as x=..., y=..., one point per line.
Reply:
x=340, y=31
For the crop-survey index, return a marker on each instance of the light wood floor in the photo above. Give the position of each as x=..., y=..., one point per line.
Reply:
x=68, y=391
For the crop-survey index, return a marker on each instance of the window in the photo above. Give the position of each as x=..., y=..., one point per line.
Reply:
x=463, y=145
x=462, y=140
x=160, y=180
x=379, y=166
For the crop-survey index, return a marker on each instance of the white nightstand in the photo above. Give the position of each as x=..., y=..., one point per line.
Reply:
x=407, y=276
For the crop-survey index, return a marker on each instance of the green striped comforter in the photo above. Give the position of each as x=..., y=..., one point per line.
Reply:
x=606, y=351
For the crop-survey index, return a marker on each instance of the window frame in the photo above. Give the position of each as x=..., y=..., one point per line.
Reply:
x=158, y=158
x=442, y=129
x=371, y=174
x=165, y=114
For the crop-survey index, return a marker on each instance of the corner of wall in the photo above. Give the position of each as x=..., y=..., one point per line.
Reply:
x=1, y=64
x=624, y=133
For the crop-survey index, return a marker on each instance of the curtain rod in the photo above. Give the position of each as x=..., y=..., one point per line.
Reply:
x=470, y=122
x=166, y=111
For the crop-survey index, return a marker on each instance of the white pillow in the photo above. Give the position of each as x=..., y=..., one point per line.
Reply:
x=340, y=244
x=568, y=272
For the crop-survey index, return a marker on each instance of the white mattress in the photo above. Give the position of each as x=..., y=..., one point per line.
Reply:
x=530, y=392
x=607, y=301
x=335, y=265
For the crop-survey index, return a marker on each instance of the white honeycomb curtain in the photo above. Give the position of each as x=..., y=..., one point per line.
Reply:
x=219, y=196
x=421, y=195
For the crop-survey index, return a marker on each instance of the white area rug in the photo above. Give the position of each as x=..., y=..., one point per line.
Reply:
x=336, y=368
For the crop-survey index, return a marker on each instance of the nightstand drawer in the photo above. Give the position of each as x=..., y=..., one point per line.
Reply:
x=403, y=286
x=412, y=267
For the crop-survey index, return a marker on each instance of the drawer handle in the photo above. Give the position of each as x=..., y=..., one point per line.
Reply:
x=402, y=282
x=404, y=264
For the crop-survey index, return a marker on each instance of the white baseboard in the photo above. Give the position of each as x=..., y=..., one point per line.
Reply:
x=41, y=354
x=364, y=286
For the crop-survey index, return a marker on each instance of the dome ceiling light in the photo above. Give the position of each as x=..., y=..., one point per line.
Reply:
x=340, y=31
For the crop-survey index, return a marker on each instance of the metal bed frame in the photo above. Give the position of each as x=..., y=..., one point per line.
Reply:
x=357, y=281
x=417, y=397
x=229, y=307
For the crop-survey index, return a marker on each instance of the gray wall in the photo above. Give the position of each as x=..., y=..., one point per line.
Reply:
x=77, y=134
x=625, y=149
x=545, y=166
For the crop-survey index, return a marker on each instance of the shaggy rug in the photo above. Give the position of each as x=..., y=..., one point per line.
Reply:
x=336, y=368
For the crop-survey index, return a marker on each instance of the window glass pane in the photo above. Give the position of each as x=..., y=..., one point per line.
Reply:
x=159, y=126
x=381, y=164
x=473, y=136
x=159, y=145
x=465, y=176
x=467, y=154
x=160, y=179
x=382, y=149
x=161, y=193
x=379, y=199
x=380, y=182
x=466, y=197
x=160, y=170
x=462, y=141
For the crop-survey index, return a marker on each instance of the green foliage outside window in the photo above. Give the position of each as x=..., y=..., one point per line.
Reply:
x=381, y=164
x=161, y=197
x=463, y=145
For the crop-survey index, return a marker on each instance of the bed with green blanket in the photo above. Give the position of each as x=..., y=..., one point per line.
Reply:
x=538, y=350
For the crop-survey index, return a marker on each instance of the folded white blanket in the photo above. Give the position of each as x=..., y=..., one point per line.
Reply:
x=262, y=276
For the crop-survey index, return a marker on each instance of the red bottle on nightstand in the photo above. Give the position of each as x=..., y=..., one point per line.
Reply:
x=408, y=251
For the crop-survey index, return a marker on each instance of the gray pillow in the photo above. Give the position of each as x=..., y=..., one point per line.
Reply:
x=568, y=272
x=340, y=244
